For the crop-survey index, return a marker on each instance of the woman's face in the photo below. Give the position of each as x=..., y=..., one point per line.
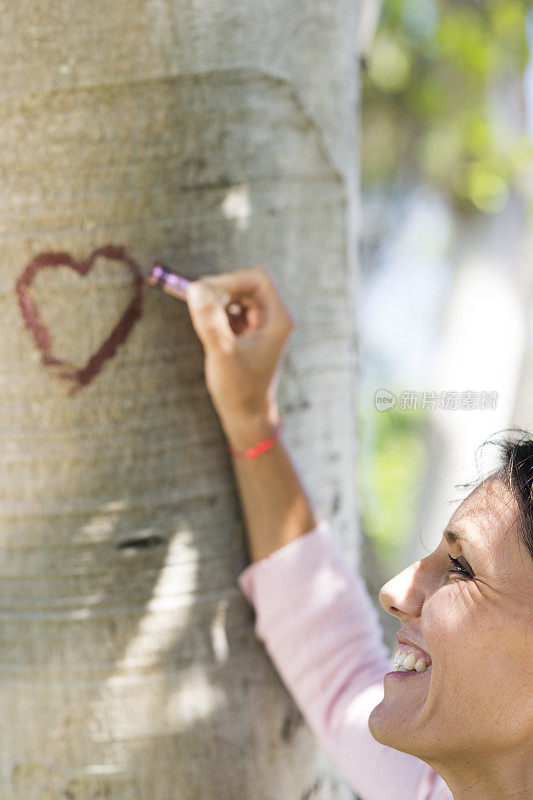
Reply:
x=475, y=702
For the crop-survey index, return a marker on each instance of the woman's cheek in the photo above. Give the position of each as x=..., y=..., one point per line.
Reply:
x=436, y=619
x=445, y=623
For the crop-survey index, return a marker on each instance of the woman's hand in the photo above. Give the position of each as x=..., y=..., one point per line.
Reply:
x=242, y=354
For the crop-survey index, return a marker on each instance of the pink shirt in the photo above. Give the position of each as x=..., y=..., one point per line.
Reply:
x=322, y=633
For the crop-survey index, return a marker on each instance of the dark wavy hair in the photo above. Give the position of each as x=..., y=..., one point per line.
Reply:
x=515, y=469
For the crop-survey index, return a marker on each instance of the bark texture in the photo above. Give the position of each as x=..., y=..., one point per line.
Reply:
x=210, y=136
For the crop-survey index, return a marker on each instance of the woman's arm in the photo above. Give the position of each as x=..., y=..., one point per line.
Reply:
x=275, y=505
x=312, y=611
x=241, y=374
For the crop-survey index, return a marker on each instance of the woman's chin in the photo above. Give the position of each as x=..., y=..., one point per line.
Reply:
x=398, y=720
x=379, y=724
x=388, y=725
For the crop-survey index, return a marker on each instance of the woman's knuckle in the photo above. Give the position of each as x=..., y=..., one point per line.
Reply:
x=227, y=350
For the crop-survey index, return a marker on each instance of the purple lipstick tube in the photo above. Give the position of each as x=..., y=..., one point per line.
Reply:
x=172, y=283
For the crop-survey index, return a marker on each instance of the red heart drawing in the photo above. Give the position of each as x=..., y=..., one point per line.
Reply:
x=40, y=332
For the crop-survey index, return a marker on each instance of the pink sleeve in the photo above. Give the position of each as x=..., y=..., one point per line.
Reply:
x=322, y=633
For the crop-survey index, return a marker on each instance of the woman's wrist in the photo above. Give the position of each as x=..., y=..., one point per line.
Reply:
x=275, y=505
x=245, y=429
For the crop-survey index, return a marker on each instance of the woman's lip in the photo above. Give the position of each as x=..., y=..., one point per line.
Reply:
x=398, y=674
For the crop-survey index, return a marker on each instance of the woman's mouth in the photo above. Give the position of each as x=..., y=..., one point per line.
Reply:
x=396, y=673
x=408, y=661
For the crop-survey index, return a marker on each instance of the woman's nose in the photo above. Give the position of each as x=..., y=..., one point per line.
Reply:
x=404, y=594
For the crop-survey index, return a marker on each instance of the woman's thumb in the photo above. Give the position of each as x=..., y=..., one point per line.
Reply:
x=209, y=317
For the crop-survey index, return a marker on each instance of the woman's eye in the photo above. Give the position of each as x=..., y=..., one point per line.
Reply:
x=460, y=569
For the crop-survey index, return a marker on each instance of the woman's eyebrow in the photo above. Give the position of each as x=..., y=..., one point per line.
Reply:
x=452, y=537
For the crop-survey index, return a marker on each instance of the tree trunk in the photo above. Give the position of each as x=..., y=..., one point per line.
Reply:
x=210, y=136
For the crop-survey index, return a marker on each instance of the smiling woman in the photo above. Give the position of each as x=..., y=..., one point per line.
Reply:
x=454, y=714
x=472, y=720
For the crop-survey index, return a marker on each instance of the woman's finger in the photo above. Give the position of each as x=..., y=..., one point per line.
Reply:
x=209, y=317
x=257, y=290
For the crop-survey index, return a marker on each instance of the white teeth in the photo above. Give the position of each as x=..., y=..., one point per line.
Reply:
x=407, y=662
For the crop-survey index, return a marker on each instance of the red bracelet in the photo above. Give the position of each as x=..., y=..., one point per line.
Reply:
x=259, y=448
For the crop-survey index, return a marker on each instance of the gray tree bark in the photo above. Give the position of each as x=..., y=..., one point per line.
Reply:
x=210, y=136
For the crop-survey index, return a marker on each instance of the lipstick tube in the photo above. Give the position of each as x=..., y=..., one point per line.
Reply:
x=176, y=285
x=166, y=280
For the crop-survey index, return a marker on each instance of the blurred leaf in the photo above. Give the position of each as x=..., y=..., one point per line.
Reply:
x=478, y=139
x=463, y=40
x=508, y=19
x=390, y=64
x=430, y=97
x=487, y=190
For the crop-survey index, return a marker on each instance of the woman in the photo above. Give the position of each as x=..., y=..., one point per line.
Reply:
x=457, y=718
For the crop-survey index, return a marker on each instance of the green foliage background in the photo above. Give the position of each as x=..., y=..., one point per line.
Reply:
x=429, y=90
x=391, y=475
x=434, y=79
